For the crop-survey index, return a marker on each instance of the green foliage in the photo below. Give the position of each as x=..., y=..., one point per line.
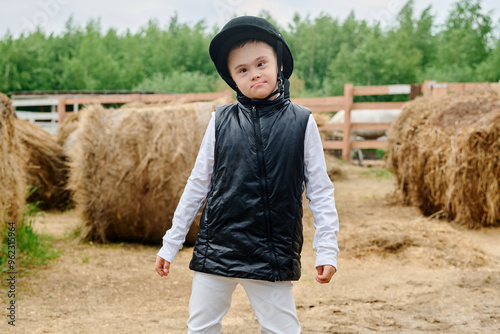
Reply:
x=180, y=82
x=31, y=248
x=328, y=52
x=372, y=152
x=488, y=70
x=466, y=35
x=75, y=232
x=380, y=153
x=378, y=173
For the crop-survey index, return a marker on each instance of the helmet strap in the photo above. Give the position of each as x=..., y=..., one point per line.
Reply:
x=283, y=83
x=279, y=57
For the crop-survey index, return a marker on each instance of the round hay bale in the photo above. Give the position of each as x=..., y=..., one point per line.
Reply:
x=445, y=153
x=65, y=131
x=46, y=168
x=130, y=165
x=12, y=164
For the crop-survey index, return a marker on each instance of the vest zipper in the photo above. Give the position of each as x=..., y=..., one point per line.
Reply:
x=265, y=190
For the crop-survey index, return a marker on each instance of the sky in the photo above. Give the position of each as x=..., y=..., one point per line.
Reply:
x=18, y=16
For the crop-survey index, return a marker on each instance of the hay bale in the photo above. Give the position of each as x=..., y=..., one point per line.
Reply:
x=130, y=165
x=12, y=180
x=445, y=153
x=333, y=167
x=65, y=131
x=46, y=168
x=321, y=118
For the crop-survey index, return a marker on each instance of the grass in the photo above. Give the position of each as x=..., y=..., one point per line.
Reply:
x=75, y=233
x=31, y=248
x=379, y=173
x=374, y=152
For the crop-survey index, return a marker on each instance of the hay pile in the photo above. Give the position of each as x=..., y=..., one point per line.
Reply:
x=46, y=166
x=324, y=119
x=66, y=130
x=12, y=180
x=445, y=153
x=333, y=167
x=421, y=242
x=129, y=167
x=321, y=118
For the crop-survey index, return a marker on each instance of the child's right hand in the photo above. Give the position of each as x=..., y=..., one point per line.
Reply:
x=162, y=266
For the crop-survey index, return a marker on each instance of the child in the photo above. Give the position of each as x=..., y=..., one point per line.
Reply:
x=251, y=168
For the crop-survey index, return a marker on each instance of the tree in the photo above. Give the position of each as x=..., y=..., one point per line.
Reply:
x=488, y=70
x=180, y=82
x=327, y=53
x=404, y=56
x=466, y=35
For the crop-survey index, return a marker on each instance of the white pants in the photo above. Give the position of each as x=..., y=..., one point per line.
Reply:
x=272, y=303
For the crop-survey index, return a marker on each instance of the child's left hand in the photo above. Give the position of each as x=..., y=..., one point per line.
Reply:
x=325, y=273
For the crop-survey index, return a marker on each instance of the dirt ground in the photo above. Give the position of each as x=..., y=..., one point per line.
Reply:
x=398, y=273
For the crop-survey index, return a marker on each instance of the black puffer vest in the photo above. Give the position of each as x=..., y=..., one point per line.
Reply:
x=251, y=226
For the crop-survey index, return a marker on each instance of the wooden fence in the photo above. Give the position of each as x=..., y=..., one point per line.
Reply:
x=432, y=88
x=64, y=101
x=346, y=103
x=319, y=104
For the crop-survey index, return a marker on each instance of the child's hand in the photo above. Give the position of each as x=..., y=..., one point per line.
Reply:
x=162, y=266
x=325, y=273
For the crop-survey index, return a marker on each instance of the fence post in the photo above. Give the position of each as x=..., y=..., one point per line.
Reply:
x=61, y=109
x=426, y=89
x=346, y=141
x=415, y=91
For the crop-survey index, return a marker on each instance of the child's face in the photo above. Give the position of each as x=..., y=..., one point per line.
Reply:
x=253, y=67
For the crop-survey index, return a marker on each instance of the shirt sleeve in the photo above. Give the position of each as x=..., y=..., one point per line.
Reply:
x=193, y=196
x=319, y=192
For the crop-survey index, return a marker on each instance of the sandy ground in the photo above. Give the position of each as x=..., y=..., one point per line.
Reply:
x=398, y=273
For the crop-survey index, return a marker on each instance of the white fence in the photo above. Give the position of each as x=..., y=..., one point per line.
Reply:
x=46, y=120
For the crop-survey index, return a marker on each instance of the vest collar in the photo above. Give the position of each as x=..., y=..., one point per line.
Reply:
x=281, y=100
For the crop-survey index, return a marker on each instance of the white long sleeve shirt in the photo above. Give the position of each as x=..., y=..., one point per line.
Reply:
x=319, y=192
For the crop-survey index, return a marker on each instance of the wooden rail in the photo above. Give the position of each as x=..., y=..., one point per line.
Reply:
x=320, y=104
x=316, y=105
x=346, y=103
x=127, y=98
x=432, y=88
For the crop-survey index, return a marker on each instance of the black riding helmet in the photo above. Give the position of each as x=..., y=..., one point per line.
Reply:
x=249, y=27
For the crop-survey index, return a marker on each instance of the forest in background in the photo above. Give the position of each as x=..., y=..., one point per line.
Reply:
x=328, y=52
